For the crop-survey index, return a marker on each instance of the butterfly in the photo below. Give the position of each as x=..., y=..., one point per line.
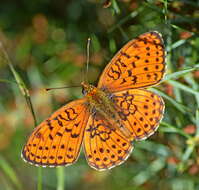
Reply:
x=111, y=116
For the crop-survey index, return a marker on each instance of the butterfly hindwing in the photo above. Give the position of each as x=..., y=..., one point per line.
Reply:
x=140, y=111
x=104, y=146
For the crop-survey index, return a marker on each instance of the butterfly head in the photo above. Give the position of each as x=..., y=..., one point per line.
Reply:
x=88, y=89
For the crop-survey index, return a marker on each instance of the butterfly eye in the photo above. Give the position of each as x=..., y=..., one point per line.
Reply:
x=83, y=91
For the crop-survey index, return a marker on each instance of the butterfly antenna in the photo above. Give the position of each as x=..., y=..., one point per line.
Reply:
x=82, y=72
x=48, y=89
x=87, y=57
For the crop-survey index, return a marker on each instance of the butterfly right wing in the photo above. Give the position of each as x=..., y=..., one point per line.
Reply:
x=140, y=111
x=140, y=63
x=57, y=140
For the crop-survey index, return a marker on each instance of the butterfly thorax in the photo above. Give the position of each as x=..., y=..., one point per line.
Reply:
x=101, y=103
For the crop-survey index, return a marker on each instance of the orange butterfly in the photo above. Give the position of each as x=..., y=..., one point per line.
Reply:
x=110, y=117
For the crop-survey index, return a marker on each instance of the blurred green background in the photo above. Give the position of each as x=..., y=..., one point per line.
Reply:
x=46, y=45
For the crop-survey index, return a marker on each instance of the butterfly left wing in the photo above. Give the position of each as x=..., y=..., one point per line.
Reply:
x=140, y=63
x=140, y=111
x=105, y=147
x=57, y=140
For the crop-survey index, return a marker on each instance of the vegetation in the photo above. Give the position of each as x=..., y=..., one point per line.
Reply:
x=43, y=44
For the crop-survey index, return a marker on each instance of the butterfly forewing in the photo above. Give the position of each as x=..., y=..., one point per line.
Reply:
x=140, y=63
x=57, y=140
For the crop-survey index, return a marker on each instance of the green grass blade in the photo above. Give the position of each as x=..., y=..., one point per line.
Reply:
x=7, y=81
x=168, y=128
x=25, y=93
x=154, y=148
x=7, y=169
x=39, y=178
x=183, y=87
x=191, y=144
x=115, y=6
x=193, y=83
x=60, y=178
x=178, y=74
x=125, y=19
x=197, y=123
x=176, y=44
x=149, y=172
x=5, y=58
x=177, y=105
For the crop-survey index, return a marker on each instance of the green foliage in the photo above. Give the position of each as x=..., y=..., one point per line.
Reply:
x=43, y=44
